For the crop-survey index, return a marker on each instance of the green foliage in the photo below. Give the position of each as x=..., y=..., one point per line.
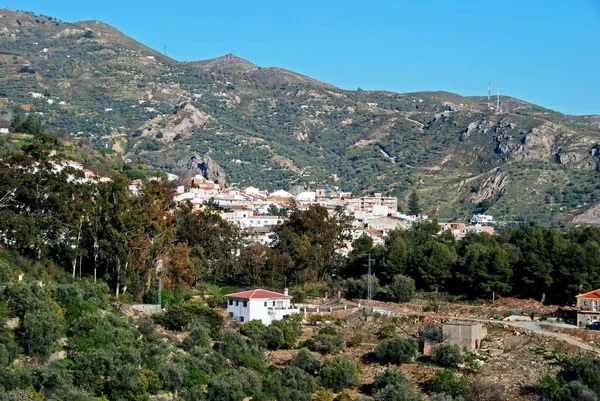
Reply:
x=396, y=350
x=173, y=376
x=446, y=381
x=432, y=333
x=233, y=385
x=414, y=206
x=42, y=328
x=198, y=337
x=184, y=316
x=325, y=343
x=338, y=373
x=290, y=327
x=446, y=355
x=306, y=361
x=402, y=288
x=387, y=331
x=289, y=383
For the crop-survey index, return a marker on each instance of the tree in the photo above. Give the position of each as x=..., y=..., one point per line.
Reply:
x=306, y=361
x=484, y=270
x=42, y=328
x=290, y=383
x=446, y=355
x=339, y=373
x=402, y=288
x=396, y=350
x=446, y=381
x=414, y=207
x=173, y=376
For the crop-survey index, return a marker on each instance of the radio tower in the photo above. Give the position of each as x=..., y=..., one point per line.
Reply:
x=489, y=94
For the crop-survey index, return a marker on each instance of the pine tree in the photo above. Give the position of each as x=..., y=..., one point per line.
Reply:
x=414, y=208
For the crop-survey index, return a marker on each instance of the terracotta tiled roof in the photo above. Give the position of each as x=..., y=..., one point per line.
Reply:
x=258, y=294
x=591, y=294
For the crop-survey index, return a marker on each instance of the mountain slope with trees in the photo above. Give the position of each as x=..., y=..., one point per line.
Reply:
x=273, y=128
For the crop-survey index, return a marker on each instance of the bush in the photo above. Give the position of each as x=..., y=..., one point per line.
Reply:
x=325, y=343
x=184, y=316
x=355, y=340
x=402, y=288
x=445, y=381
x=291, y=329
x=272, y=338
x=396, y=350
x=481, y=391
x=338, y=373
x=396, y=392
x=328, y=330
x=42, y=329
x=447, y=356
x=173, y=376
x=432, y=333
x=199, y=337
x=217, y=301
x=387, y=331
x=391, y=376
x=290, y=383
x=306, y=361
x=359, y=288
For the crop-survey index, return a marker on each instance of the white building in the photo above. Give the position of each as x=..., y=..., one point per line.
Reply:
x=482, y=219
x=263, y=305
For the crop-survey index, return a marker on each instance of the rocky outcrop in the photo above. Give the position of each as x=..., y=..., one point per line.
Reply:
x=183, y=123
x=194, y=164
x=492, y=187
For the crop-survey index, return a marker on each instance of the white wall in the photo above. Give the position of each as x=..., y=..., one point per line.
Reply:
x=256, y=309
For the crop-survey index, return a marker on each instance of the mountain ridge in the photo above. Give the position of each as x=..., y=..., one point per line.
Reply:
x=273, y=127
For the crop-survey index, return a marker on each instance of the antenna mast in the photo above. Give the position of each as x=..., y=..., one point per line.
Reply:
x=489, y=94
x=165, y=52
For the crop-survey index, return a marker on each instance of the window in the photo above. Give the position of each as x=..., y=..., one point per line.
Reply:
x=265, y=303
x=230, y=302
x=241, y=318
x=237, y=303
x=230, y=314
x=245, y=304
x=273, y=303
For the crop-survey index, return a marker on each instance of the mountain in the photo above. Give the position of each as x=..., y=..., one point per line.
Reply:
x=272, y=127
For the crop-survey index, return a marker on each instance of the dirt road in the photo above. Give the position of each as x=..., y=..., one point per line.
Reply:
x=534, y=327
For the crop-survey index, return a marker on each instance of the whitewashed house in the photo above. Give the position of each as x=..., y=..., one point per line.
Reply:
x=266, y=306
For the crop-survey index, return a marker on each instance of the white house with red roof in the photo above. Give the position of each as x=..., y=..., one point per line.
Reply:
x=266, y=306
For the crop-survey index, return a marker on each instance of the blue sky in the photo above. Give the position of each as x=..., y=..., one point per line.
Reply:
x=546, y=52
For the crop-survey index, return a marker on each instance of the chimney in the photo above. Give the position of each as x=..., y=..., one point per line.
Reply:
x=285, y=291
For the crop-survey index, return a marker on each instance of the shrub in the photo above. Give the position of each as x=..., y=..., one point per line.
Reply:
x=173, y=376
x=391, y=376
x=338, y=373
x=290, y=383
x=396, y=392
x=41, y=330
x=446, y=355
x=402, y=288
x=184, y=316
x=396, y=350
x=355, y=340
x=344, y=397
x=387, y=331
x=199, y=337
x=291, y=329
x=325, y=343
x=445, y=381
x=328, y=330
x=359, y=288
x=432, y=333
x=445, y=397
x=272, y=338
x=217, y=301
x=325, y=394
x=306, y=361
x=481, y=391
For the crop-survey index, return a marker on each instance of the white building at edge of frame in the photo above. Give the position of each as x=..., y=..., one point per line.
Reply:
x=266, y=306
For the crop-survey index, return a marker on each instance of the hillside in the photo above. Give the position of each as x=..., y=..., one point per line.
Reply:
x=271, y=127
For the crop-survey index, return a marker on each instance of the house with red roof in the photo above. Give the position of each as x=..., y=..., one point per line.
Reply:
x=266, y=306
x=588, y=308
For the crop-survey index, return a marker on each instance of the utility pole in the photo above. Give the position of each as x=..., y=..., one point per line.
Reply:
x=489, y=93
x=369, y=293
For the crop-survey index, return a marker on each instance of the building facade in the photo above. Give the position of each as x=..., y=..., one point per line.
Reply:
x=588, y=308
x=263, y=305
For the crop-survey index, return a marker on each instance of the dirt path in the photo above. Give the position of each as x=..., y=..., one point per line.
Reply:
x=534, y=327
x=421, y=125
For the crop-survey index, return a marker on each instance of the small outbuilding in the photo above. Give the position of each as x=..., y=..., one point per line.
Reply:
x=465, y=334
x=266, y=306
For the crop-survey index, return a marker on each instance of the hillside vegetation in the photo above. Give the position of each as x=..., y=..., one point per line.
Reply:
x=271, y=127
